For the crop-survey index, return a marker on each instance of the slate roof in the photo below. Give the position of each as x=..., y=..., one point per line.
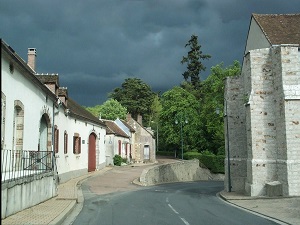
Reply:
x=113, y=128
x=279, y=28
x=128, y=126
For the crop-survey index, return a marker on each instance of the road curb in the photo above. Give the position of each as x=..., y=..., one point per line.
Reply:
x=64, y=214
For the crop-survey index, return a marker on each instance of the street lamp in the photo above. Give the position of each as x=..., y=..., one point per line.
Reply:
x=182, y=122
x=156, y=134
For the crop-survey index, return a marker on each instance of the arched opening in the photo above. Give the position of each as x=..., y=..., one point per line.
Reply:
x=43, y=139
x=18, y=128
x=92, y=153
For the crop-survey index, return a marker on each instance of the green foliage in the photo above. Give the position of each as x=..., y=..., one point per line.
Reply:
x=212, y=92
x=110, y=110
x=178, y=104
x=193, y=60
x=156, y=108
x=94, y=110
x=136, y=96
x=215, y=163
x=117, y=160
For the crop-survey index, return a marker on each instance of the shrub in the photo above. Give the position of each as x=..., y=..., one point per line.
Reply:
x=117, y=160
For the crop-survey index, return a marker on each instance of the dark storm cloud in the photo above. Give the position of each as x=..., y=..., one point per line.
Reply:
x=95, y=45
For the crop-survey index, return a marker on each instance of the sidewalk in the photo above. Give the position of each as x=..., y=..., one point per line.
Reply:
x=56, y=210
x=282, y=210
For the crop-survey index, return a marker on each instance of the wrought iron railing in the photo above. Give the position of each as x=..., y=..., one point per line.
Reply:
x=16, y=164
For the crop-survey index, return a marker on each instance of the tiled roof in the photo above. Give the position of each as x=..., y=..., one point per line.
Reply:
x=114, y=128
x=78, y=111
x=48, y=78
x=28, y=72
x=280, y=28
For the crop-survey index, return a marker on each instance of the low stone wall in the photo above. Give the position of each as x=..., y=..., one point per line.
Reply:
x=188, y=170
x=26, y=192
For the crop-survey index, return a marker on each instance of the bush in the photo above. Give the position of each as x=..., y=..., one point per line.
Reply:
x=215, y=163
x=118, y=160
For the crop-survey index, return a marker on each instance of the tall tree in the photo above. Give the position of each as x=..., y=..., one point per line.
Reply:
x=193, y=60
x=212, y=105
x=178, y=104
x=136, y=96
x=110, y=110
x=156, y=108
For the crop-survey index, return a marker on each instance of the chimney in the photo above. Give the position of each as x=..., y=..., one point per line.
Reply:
x=128, y=117
x=31, y=58
x=140, y=119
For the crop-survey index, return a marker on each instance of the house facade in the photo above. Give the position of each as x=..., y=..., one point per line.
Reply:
x=262, y=108
x=79, y=136
x=46, y=137
x=130, y=140
x=144, y=147
x=117, y=141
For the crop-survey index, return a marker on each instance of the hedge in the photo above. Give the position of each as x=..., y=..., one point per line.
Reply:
x=215, y=163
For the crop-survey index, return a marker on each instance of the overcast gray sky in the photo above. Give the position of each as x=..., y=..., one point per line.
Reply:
x=94, y=45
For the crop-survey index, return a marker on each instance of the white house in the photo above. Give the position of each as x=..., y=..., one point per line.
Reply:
x=118, y=141
x=79, y=136
x=27, y=118
x=46, y=137
x=130, y=140
x=262, y=110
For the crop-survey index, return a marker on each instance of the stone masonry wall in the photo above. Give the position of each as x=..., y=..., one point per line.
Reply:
x=235, y=136
x=262, y=124
x=289, y=148
x=270, y=86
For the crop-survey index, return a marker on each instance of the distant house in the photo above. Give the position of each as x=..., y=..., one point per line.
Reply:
x=144, y=147
x=262, y=110
x=45, y=135
x=117, y=141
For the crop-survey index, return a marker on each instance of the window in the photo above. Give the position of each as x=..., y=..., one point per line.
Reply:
x=120, y=146
x=56, y=139
x=76, y=144
x=65, y=142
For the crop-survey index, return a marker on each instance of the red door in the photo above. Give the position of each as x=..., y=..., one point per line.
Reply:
x=92, y=153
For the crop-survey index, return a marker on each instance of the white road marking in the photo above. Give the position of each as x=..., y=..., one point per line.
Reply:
x=185, y=222
x=174, y=210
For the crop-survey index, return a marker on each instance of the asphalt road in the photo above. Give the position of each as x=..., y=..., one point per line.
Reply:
x=191, y=203
x=112, y=198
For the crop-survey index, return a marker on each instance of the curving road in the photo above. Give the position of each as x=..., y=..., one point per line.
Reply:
x=112, y=199
x=191, y=203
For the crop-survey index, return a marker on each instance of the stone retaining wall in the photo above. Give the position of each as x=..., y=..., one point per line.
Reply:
x=24, y=193
x=176, y=172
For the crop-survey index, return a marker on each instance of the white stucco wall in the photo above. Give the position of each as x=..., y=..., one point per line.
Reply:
x=72, y=165
x=16, y=87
